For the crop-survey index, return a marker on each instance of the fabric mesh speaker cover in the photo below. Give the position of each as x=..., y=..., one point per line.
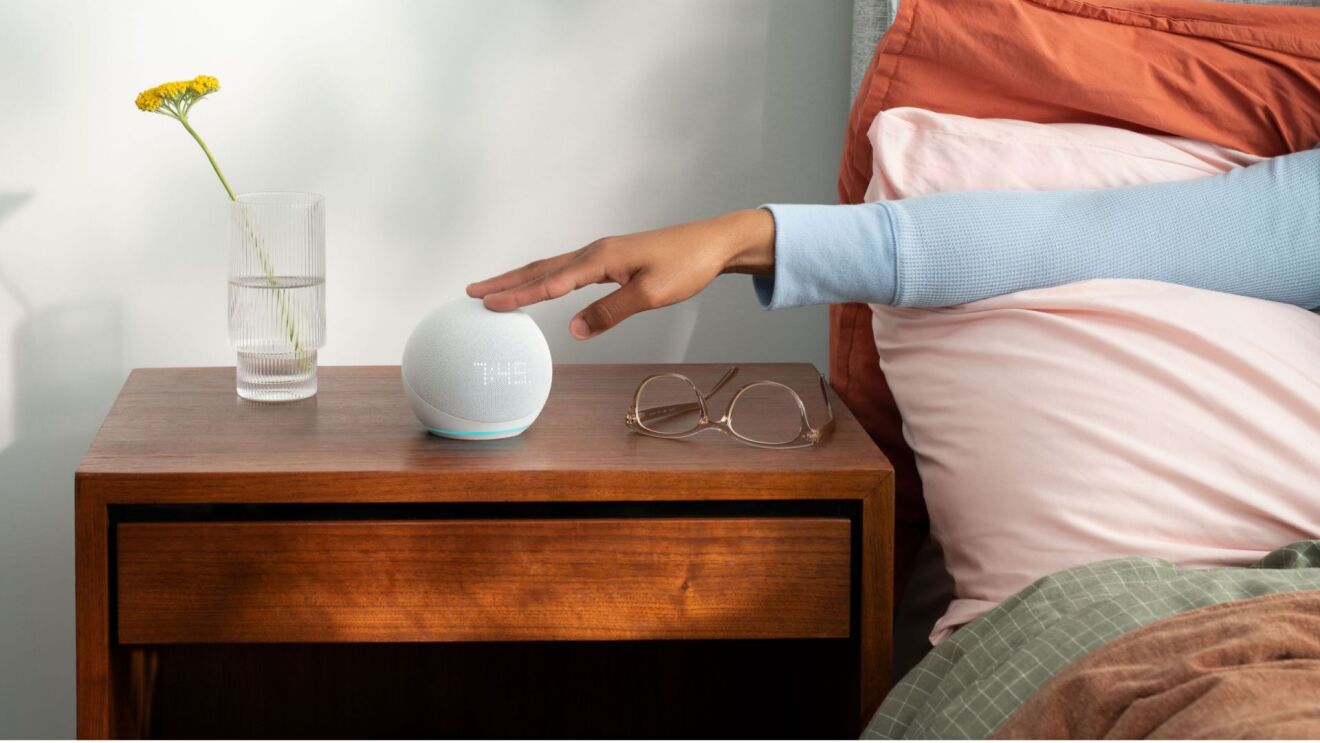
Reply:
x=477, y=364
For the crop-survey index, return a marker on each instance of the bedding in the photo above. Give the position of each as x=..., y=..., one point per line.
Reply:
x=1242, y=669
x=915, y=151
x=1100, y=419
x=1148, y=65
x=975, y=682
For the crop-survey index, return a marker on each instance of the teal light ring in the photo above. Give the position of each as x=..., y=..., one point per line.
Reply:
x=477, y=434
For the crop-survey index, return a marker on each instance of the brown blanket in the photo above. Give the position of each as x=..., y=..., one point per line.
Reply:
x=1243, y=669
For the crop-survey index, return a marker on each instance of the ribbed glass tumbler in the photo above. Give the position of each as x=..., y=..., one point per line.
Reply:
x=277, y=293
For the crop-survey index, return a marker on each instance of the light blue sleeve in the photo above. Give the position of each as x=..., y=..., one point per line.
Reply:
x=1254, y=231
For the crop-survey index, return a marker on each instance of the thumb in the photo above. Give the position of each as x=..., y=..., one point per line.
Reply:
x=609, y=311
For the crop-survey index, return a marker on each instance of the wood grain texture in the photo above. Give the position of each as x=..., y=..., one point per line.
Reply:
x=96, y=697
x=181, y=435
x=877, y=577
x=511, y=580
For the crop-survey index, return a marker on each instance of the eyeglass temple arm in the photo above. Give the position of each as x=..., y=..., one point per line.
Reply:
x=720, y=384
x=666, y=411
x=825, y=392
x=829, y=409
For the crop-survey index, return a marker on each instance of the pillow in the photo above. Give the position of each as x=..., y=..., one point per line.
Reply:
x=918, y=152
x=1104, y=419
x=1247, y=76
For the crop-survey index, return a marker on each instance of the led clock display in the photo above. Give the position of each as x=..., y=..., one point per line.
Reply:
x=501, y=373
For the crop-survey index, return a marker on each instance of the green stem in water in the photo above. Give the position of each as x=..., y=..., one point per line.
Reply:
x=256, y=243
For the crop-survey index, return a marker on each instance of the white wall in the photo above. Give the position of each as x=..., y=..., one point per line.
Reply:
x=451, y=139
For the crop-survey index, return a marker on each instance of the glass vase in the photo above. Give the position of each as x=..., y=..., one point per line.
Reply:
x=277, y=293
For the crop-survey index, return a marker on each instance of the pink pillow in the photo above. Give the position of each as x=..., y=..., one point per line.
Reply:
x=1104, y=419
x=916, y=152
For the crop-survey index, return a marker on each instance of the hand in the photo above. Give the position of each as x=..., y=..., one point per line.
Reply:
x=653, y=269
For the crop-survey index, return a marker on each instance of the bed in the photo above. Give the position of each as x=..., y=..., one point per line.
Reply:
x=1070, y=634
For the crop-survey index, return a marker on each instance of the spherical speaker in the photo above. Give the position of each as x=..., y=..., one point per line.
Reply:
x=471, y=373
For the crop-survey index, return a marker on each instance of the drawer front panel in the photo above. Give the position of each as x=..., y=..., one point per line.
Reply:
x=470, y=580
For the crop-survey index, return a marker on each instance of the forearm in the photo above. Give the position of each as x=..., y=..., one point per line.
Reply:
x=1254, y=231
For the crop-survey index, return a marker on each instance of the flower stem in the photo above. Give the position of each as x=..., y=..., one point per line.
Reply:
x=184, y=120
x=266, y=266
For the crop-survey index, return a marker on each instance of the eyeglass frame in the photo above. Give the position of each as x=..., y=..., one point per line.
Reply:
x=807, y=435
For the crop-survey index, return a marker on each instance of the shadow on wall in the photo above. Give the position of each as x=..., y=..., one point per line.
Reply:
x=719, y=143
x=799, y=150
x=67, y=368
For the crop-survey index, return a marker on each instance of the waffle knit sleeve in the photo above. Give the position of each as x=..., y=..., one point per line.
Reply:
x=1253, y=231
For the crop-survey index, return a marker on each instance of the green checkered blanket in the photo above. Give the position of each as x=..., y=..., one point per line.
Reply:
x=970, y=685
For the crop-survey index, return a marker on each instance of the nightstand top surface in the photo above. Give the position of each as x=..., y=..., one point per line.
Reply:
x=183, y=434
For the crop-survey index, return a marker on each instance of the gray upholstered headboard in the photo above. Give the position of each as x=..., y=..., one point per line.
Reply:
x=872, y=17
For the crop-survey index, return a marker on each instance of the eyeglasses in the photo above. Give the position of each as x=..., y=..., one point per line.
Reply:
x=766, y=414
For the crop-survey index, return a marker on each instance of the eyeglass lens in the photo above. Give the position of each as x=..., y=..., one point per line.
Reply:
x=766, y=414
x=669, y=405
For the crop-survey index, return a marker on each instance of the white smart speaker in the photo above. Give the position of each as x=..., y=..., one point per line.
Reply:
x=471, y=373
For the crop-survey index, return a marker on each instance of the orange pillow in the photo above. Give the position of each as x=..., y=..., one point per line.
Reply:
x=1242, y=76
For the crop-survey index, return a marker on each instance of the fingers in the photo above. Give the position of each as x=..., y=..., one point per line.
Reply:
x=518, y=276
x=629, y=262
x=610, y=310
x=569, y=277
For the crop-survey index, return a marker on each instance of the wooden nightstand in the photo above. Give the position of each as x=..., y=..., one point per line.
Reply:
x=326, y=568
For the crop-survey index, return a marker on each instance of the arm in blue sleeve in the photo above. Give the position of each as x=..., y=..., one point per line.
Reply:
x=1253, y=231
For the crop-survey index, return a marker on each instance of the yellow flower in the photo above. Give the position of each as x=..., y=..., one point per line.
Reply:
x=149, y=100
x=204, y=84
x=175, y=98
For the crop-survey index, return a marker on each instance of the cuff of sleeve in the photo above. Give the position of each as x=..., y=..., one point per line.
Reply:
x=828, y=254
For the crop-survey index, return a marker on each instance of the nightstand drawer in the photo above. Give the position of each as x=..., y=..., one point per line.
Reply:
x=430, y=580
